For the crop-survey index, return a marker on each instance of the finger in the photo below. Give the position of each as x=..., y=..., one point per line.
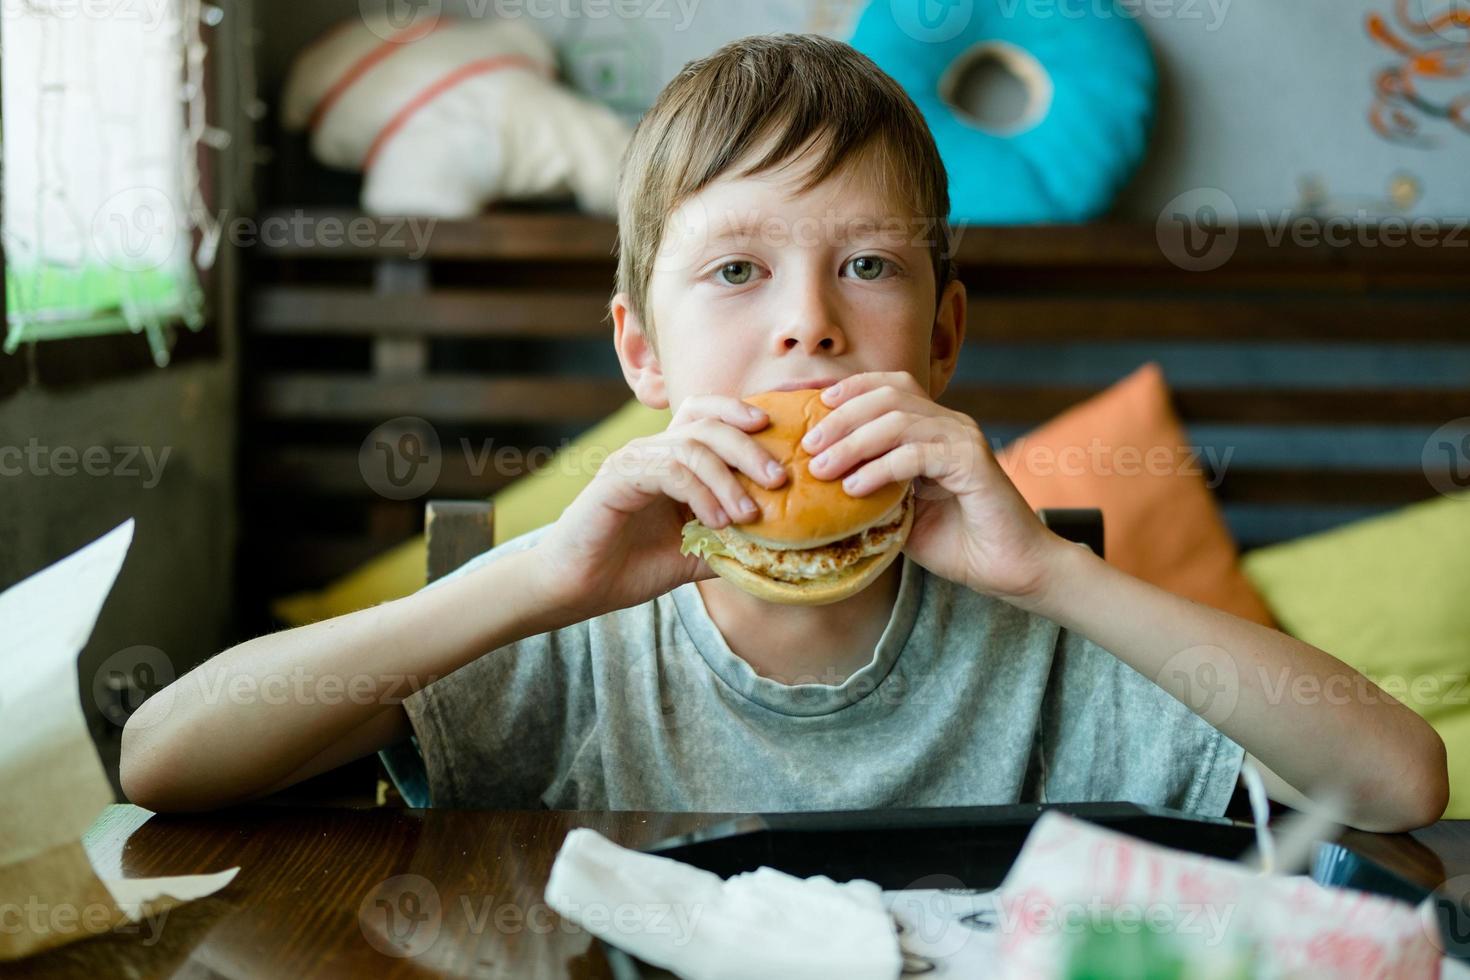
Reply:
x=857, y=384
x=723, y=407
x=908, y=461
x=871, y=440
x=706, y=466
x=739, y=450
x=643, y=471
x=860, y=410
x=680, y=483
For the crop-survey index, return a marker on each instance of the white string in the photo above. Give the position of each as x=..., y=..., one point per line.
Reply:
x=1255, y=788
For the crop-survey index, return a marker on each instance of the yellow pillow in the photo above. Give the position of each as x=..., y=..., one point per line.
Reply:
x=1387, y=596
x=528, y=503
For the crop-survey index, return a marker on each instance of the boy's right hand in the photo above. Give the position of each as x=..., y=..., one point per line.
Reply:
x=617, y=543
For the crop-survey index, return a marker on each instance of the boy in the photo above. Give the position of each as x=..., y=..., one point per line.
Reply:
x=590, y=665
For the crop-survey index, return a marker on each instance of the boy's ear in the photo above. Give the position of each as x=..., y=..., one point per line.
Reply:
x=947, y=337
x=636, y=354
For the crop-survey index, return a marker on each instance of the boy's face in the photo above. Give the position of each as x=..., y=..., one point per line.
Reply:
x=759, y=286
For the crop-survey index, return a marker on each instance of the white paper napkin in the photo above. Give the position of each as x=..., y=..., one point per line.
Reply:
x=762, y=924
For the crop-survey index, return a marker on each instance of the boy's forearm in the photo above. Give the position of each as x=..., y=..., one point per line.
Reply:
x=252, y=716
x=1305, y=714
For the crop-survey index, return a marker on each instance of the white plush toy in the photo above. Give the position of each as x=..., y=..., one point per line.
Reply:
x=444, y=119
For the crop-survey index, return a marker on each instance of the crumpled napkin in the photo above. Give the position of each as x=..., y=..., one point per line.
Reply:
x=764, y=923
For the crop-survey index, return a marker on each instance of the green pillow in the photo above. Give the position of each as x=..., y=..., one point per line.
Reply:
x=1389, y=596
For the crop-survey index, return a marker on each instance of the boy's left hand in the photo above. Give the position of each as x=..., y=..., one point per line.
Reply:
x=971, y=524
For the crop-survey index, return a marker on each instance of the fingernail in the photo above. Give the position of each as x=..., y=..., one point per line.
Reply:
x=822, y=459
x=774, y=470
x=721, y=518
x=812, y=439
x=831, y=392
x=850, y=484
x=754, y=412
x=747, y=505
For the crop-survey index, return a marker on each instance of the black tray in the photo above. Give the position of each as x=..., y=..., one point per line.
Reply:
x=973, y=847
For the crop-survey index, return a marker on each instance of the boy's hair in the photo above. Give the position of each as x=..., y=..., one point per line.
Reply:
x=791, y=91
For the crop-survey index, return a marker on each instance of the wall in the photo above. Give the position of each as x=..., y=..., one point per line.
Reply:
x=1254, y=95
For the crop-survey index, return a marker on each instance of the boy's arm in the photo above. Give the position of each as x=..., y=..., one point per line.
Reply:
x=274, y=710
x=1312, y=722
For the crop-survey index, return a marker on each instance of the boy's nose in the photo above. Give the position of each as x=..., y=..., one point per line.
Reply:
x=811, y=326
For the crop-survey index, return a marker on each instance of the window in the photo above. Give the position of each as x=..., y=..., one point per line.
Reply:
x=104, y=222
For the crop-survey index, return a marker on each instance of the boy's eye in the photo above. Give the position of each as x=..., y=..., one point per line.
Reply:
x=868, y=267
x=736, y=273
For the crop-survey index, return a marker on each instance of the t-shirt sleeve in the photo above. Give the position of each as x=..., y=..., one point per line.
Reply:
x=1108, y=733
x=497, y=732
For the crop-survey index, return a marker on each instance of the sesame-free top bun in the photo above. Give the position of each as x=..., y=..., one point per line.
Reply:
x=805, y=512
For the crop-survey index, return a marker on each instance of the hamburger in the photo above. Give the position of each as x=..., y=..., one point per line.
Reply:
x=813, y=542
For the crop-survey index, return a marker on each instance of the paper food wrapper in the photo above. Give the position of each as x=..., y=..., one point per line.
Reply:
x=51, y=778
x=1070, y=871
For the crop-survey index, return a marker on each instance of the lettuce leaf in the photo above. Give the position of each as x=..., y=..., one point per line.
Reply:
x=701, y=541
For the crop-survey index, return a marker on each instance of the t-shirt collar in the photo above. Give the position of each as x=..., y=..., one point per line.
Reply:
x=803, y=699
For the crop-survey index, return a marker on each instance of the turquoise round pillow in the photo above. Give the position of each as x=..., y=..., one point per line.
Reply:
x=1090, y=81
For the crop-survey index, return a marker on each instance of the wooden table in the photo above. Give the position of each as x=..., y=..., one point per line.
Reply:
x=317, y=887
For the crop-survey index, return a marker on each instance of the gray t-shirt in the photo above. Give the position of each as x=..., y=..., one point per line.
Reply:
x=967, y=700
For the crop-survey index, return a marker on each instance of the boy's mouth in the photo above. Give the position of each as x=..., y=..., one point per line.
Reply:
x=799, y=385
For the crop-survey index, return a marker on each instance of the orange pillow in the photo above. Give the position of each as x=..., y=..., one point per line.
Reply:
x=1125, y=451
